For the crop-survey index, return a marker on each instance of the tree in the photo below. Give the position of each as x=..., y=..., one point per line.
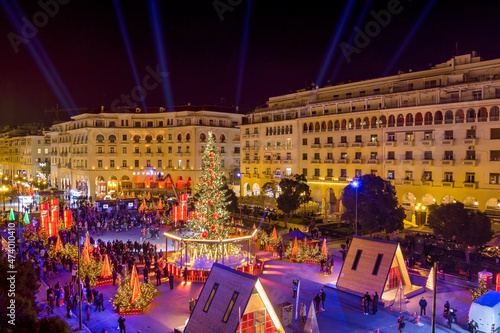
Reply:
x=54, y=324
x=211, y=219
x=469, y=227
x=271, y=186
x=377, y=205
x=294, y=192
x=232, y=199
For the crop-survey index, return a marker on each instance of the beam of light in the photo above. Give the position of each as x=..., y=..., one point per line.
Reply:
x=334, y=42
x=359, y=20
x=154, y=13
x=409, y=36
x=39, y=55
x=243, y=51
x=128, y=48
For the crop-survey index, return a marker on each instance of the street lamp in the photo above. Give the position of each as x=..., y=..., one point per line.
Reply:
x=4, y=190
x=355, y=184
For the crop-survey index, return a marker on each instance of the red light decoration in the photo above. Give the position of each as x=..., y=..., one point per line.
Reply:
x=204, y=234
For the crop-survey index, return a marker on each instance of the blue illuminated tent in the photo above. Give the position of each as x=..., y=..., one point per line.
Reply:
x=297, y=234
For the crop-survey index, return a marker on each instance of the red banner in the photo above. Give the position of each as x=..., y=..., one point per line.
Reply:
x=54, y=217
x=183, y=198
x=68, y=218
x=180, y=213
x=44, y=216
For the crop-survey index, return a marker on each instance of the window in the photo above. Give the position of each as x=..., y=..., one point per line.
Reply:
x=137, y=124
x=230, y=307
x=448, y=135
x=343, y=173
x=390, y=174
x=255, y=170
x=356, y=260
x=211, y=297
x=39, y=150
x=316, y=141
x=329, y=156
x=136, y=163
x=358, y=138
x=408, y=155
x=329, y=140
x=428, y=135
x=99, y=163
x=495, y=133
x=304, y=156
x=169, y=163
x=304, y=172
x=148, y=163
x=373, y=155
x=124, y=163
x=448, y=155
x=357, y=155
x=391, y=137
x=170, y=136
x=179, y=149
x=148, y=150
x=160, y=165
x=426, y=176
x=390, y=155
x=170, y=150
x=409, y=175
x=179, y=163
x=448, y=177
x=99, y=150
x=124, y=150
x=470, y=177
x=288, y=156
x=329, y=172
x=427, y=155
x=357, y=173
x=373, y=138
x=100, y=138
x=409, y=136
x=112, y=163
x=377, y=264
x=316, y=172
x=343, y=139
x=288, y=171
x=471, y=134
x=316, y=156
x=343, y=156
x=494, y=178
x=304, y=142
x=236, y=150
x=470, y=155
x=136, y=150
x=494, y=155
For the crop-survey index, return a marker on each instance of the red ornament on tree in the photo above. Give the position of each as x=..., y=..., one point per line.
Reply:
x=210, y=171
x=213, y=164
x=213, y=176
x=209, y=203
x=212, y=227
x=216, y=215
x=210, y=154
x=204, y=234
x=208, y=182
x=217, y=196
x=222, y=227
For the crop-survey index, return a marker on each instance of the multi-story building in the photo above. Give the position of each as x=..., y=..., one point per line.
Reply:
x=106, y=153
x=435, y=134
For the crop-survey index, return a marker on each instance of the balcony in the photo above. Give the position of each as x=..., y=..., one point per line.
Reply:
x=159, y=154
x=448, y=142
x=136, y=154
x=427, y=162
x=328, y=178
x=390, y=143
x=316, y=161
x=316, y=146
x=447, y=183
x=254, y=148
x=246, y=160
x=470, y=141
x=255, y=175
x=472, y=185
x=245, y=148
x=288, y=161
x=328, y=160
x=408, y=182
x=408, y=162
x=267, y=161
x=276, y=161
x=342, y=179
x=357, y=144
x=342, y=145
x=427, y=183
x=148, y=154
x=357, y=161
x=315, y=177
x=373, y=161
x=448, y=162
x=328, y=145
x=470, y=162
x=408, y=143
x=390, y=162
x=372, y=144
x=343, y=161
x=255, y=161
x=427, y=143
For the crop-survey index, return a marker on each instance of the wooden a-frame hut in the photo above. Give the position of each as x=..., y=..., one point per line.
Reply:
x=375, y=265
x=230, y=299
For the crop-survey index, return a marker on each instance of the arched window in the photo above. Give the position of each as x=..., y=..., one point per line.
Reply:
x=392, y=121
x=159, y=138
x=336, y=127
x=316, y=127
x=222, y=138
x=471, y=115
x=409, y=119
x=149, y=138
x=350, y=124
x=305, y=128
x=279, y=130
x=401, y=120
x=448, y=117
x=179, y=137
x=358, y=123
x=323, y=127
x=286, y=129
x=482, y=114
x=382, y=121
x=137, y=138
x=428, y=118
x=100, y=138
x=373, y=123
x=291, y=129
x=366, y=123
x=203, y=137
x=438, y=118
x=419, y=119
x=330, y=126
x=494, y=113
x=112, y=138
x=459, y=116
x=188, y=137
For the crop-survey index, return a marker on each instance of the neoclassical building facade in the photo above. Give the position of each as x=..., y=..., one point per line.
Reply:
x=106, y=153
x=435, y=134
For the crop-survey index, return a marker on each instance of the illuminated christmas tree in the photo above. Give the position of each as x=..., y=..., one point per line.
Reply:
x=211, y=219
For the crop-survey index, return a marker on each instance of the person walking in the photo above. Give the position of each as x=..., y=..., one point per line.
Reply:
x=401, y=323
x=121, y=324
x=322, y=294
x=423, y=306
x=375, y=303
x=115, y=275
x=185, y=275
x=158, y=277
x=303, y=312
x=368, y=299
x=295, y=286
x=101, y=302
x=316, y=299
x=171, y=281
x=363, y=305
x=88, y=310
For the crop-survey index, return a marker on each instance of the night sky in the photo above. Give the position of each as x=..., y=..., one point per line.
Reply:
x=288, y=42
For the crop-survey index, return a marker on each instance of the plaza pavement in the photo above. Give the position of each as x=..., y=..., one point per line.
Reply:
x=343, y=313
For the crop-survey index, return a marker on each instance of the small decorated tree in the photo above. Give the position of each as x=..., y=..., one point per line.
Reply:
x=480, y=290
x=211, y=219
x=123, y=297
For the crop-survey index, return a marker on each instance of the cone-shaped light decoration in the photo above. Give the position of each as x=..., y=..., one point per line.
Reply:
x=160, y=206
x=26, y=218
x=133, y=274
x=324, y=249
x=132, y=195
x=58, y=244
x=106, y=268
x=11, y=216
x=136, y=290
x=295, y=249
x=254, y=225
x=274, y=235
x=86, y=257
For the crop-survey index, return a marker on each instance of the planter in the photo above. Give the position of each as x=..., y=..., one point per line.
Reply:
x=103, y=282
x=132, y=311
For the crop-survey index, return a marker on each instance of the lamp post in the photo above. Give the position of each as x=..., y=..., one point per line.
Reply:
x=355, y=184
x=78, y=270
x=4, y=190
